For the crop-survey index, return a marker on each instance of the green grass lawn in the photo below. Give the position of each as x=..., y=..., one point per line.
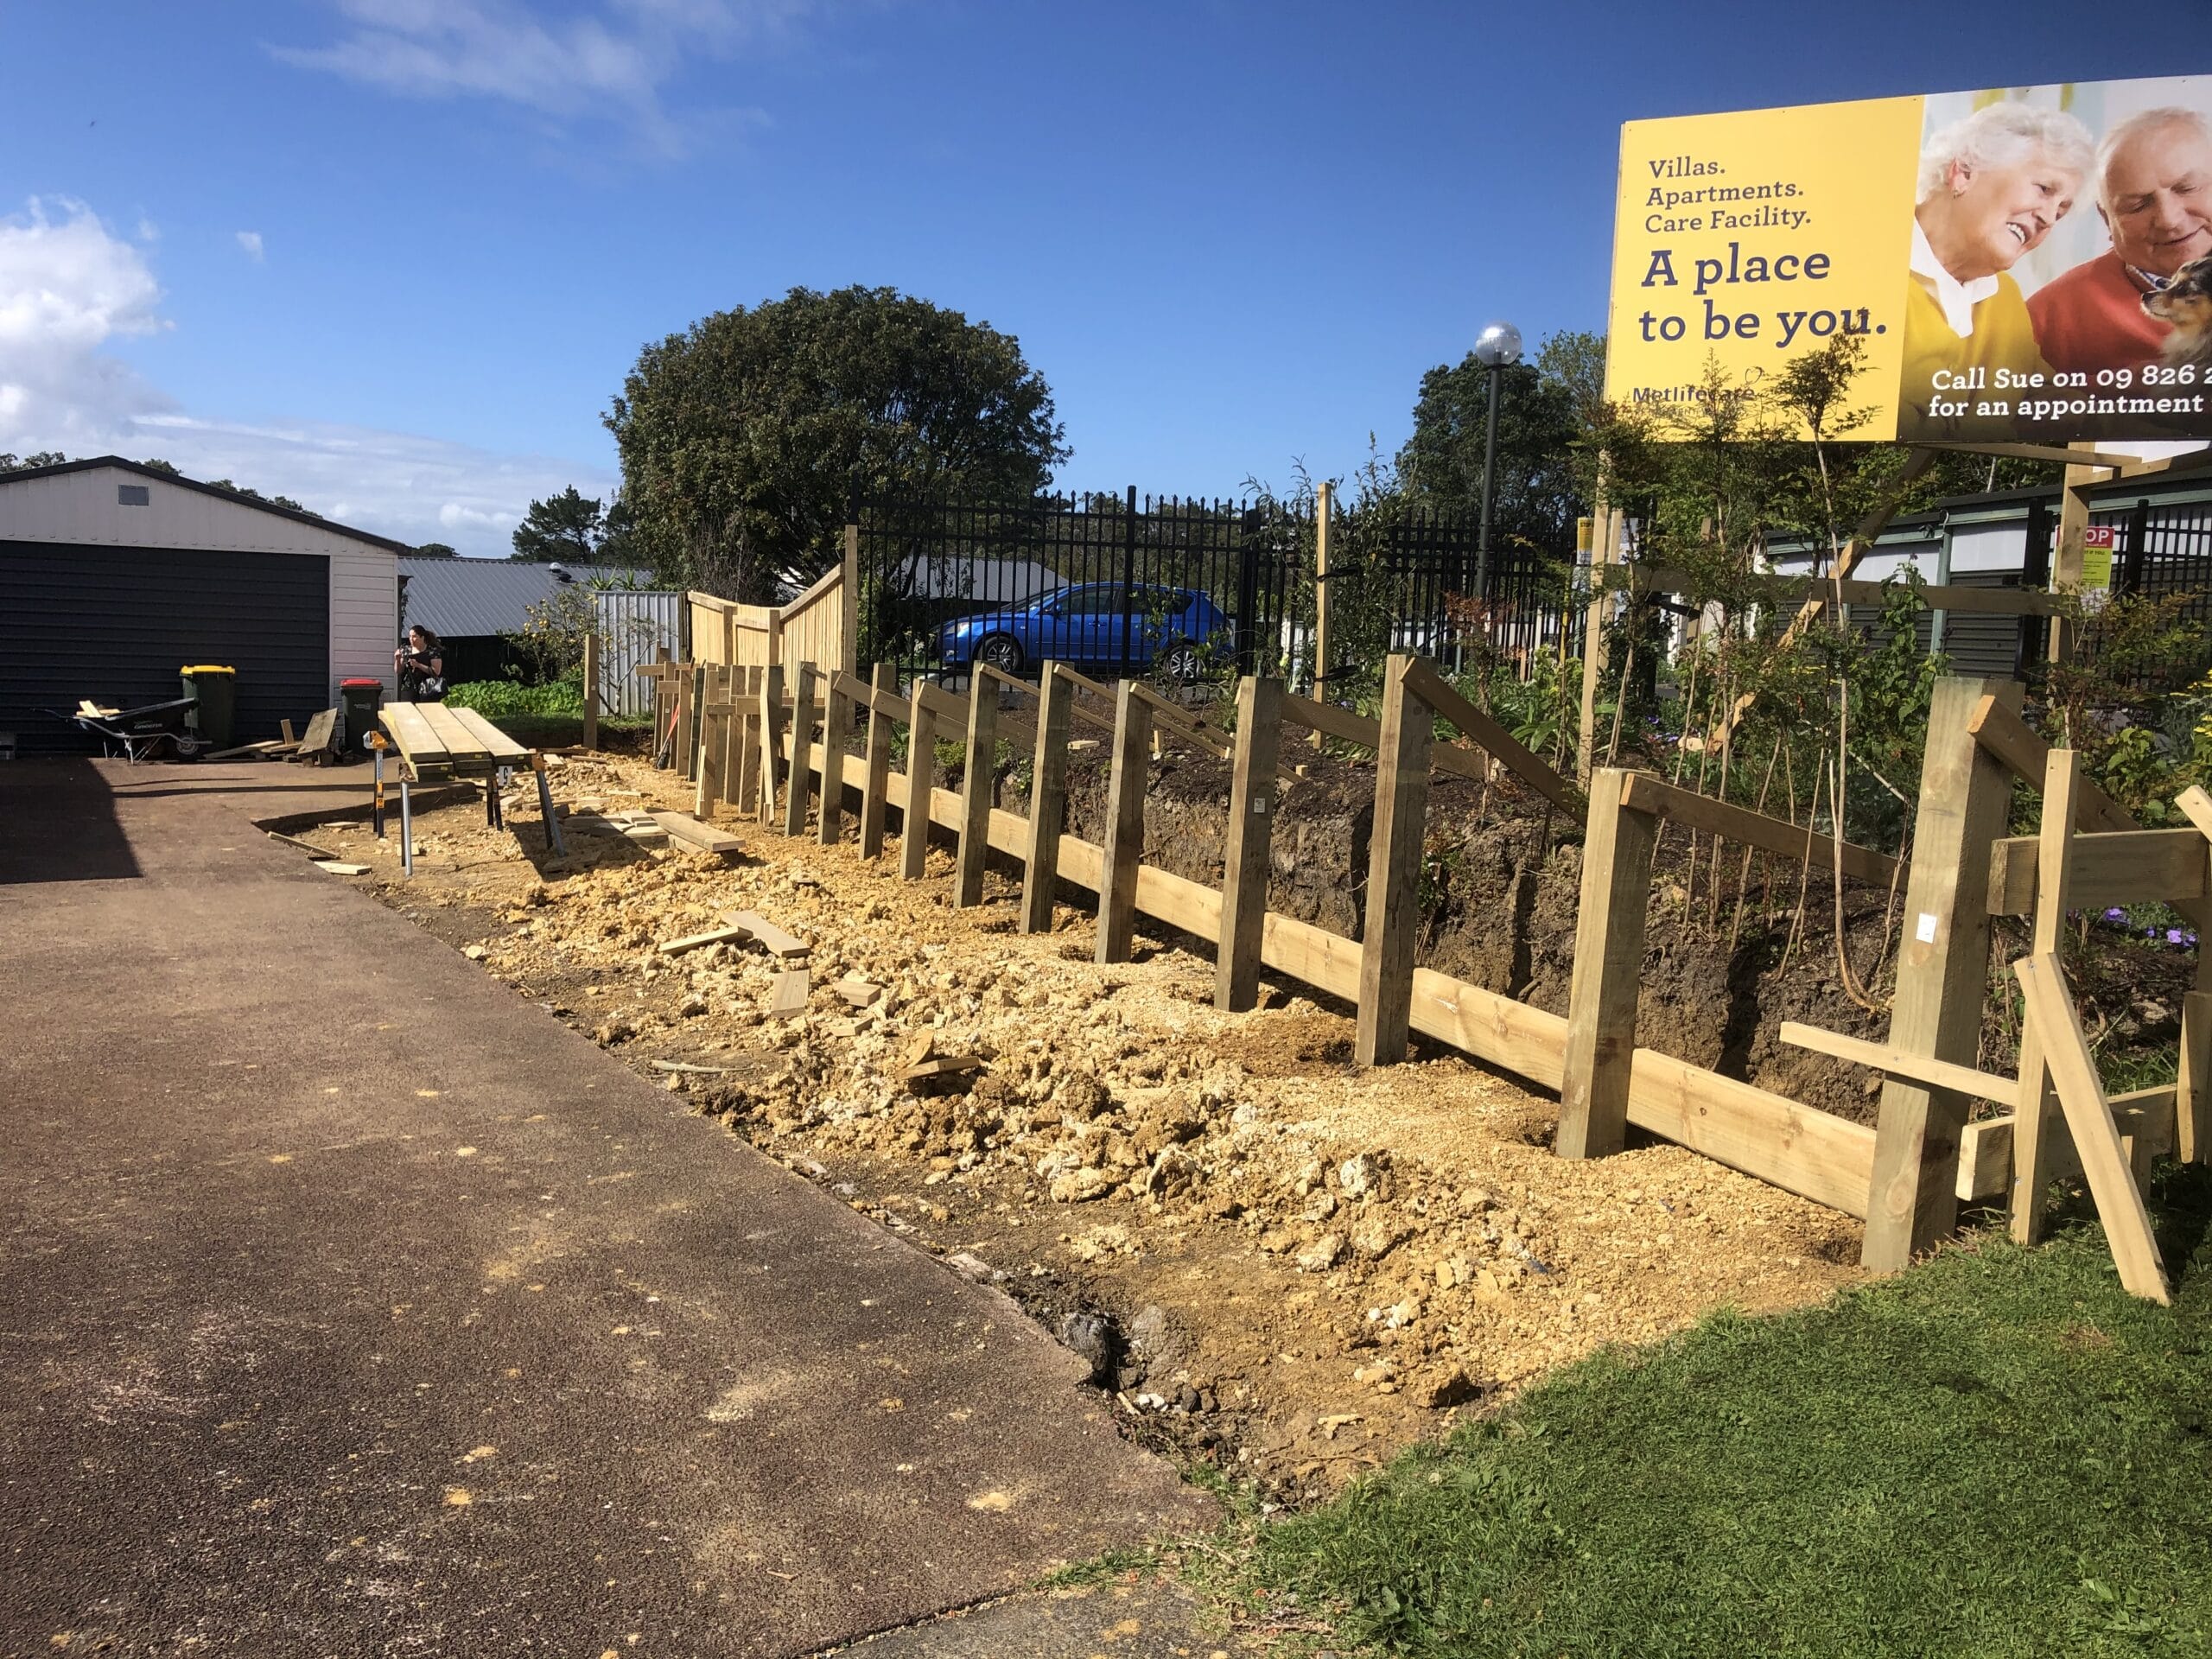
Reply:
x=2000, y=1452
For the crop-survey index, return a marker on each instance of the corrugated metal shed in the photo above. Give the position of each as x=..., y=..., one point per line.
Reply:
x=461, y=599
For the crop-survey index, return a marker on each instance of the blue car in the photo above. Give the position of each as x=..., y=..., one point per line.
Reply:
x=1096, y=622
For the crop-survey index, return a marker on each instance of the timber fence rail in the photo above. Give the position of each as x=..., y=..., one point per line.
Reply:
x=1777, y=1140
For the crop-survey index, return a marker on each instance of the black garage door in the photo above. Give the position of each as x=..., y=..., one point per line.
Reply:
x=115, y=623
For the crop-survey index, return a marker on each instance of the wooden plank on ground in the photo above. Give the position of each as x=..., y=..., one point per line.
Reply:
x=772, y=938
x=681, y=826
x=1647, y=793
x=700, y=941
x=2049, y=1004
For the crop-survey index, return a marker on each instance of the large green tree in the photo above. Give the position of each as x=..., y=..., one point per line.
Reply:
x=741, y=438
x=1544, y=409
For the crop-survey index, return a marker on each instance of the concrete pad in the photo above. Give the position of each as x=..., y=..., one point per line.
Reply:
x=349, y=1304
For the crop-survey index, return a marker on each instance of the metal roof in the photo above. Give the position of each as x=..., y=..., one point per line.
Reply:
x=25, y=474
x=461, y=598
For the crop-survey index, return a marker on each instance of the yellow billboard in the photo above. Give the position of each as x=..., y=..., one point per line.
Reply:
x=2030, y=264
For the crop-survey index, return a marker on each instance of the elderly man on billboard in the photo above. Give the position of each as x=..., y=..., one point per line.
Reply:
x=1991, y=186
x=2154, y=189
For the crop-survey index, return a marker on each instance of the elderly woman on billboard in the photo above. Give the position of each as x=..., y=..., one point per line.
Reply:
x=1991, y=186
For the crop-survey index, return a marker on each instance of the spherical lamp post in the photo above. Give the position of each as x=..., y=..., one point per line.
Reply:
x=1496, y=347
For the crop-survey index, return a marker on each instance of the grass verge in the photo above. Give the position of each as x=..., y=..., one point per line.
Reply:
x=2000, y=1452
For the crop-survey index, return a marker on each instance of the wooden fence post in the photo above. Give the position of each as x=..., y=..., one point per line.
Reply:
x=1393, y=915
x=772, y=740
x=1942, y=976
x=591, y=690
x=875, y=793
x=2067, y=556
x=976, y=775
x=1604, y=531
x=2038, y=1108
x=713, y=728
x=837, y=722
x=1251, y=823
x=686, y=719
x=735, y=730
x=745, y=767
x=1616, y=850
x=797, y=781
x=1117, y=877
x=848, y=605
x=921, y=771
x=1048, y=797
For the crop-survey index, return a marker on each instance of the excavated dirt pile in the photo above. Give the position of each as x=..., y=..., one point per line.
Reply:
x=1277, y=1263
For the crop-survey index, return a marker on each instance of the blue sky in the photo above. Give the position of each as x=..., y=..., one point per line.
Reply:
x=394, y=256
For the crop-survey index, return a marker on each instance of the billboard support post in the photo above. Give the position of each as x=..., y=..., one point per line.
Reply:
x=2066, y=557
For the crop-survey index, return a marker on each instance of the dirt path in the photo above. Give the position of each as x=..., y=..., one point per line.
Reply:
x=1296, y=1267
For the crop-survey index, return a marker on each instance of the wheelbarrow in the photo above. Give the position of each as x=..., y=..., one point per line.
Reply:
x=139, y=734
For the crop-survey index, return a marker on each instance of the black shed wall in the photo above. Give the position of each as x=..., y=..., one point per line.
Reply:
x=115, y=623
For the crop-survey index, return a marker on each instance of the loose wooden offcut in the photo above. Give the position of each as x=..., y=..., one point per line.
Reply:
x=772, y=938
x=699, y=941
x=790, y=994
x=705, y=836
x=943, y=1066
x=857, y=991
x=336, y=866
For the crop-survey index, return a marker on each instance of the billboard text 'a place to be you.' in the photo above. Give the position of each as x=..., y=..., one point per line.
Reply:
x=2032, y=263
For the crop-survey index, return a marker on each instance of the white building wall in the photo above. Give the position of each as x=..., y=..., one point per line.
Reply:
x=83, y=507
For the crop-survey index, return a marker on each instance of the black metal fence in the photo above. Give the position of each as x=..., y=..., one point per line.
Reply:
x=2159, y=551
x=1184, y=589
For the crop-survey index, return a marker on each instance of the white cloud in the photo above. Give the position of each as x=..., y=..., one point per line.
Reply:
x=613, y=58
x=148, y=231
x=250, y=241
x=69, y=288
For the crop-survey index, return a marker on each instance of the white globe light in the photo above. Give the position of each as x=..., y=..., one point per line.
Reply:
x=1498, y=346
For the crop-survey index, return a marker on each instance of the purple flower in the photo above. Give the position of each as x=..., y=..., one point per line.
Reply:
x=2173, y=936
x=2115, y=914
